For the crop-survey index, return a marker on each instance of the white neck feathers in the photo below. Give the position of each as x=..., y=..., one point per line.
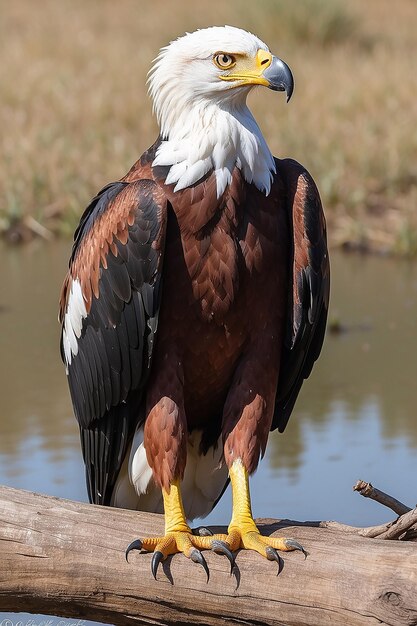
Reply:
x=212, y=135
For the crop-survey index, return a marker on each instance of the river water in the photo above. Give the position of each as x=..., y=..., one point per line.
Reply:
x=356, y=416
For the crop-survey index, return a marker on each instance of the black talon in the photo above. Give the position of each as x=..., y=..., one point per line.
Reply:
x=135, y=545
x=156, y=559
x=197, y=557
x=222, y=548
x=291, y=543
x=272, y=555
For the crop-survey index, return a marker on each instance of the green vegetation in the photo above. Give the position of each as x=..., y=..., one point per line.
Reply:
x=75, y=113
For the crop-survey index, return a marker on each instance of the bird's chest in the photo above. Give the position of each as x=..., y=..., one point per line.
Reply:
x=213, y=269
x=228, y=264
x=221, y=289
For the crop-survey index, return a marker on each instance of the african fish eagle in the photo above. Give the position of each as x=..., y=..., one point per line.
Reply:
x=196, y=301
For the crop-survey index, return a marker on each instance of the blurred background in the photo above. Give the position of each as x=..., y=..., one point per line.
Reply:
x=75, y=115
x=74, y=110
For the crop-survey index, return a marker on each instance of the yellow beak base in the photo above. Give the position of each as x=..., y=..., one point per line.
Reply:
x=249, y=71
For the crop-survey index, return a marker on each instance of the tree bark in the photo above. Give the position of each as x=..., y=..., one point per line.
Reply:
x=68, y=559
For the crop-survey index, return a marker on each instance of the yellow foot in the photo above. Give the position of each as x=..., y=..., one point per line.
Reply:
x=266, y=546
x=242, y=531
x=182, y=541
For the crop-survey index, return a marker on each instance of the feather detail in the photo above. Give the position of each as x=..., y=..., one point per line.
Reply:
x=192, y=173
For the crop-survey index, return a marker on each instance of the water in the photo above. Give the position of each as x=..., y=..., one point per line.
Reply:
x=355, y=417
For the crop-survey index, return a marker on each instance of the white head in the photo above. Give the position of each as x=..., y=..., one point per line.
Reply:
x=199, y=84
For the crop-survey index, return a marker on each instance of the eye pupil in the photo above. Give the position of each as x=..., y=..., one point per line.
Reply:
x=223, y=60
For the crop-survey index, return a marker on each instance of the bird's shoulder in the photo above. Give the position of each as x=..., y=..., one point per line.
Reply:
x=123, y=213
x=295, y=183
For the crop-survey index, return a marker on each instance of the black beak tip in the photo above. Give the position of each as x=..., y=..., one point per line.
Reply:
x=280, y=77
x=289, y=91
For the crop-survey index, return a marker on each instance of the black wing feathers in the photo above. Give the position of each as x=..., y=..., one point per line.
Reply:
x=107, y=375
x=309, y=288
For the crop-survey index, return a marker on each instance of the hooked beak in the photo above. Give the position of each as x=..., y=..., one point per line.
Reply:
x=265, y=69
x=279, y=77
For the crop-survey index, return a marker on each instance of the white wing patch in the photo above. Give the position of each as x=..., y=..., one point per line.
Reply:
x=73, y=321
x=204, y=480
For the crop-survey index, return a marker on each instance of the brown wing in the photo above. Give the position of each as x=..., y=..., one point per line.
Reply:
x=309, y=287
x=109, y=311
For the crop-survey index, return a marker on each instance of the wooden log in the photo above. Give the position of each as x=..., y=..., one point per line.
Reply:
x=68, y=559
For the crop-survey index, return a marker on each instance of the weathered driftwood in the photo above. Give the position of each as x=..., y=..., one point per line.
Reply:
x=369, y=491
x=66, y=558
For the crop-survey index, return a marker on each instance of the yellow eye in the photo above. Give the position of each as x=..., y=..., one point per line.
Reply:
x=224, y=61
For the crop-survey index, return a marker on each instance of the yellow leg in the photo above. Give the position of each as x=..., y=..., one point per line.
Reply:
x=178, y=536
x=242, y=531
x=174, y=511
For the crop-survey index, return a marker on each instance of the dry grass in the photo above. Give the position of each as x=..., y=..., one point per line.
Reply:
x=75, y=114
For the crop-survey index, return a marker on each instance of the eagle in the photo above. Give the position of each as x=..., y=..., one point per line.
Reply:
x=195, y=303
